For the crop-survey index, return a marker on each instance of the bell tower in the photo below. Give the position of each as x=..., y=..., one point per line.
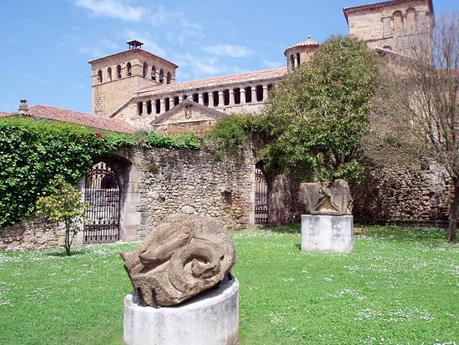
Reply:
x=118, y=77
x=300, y=53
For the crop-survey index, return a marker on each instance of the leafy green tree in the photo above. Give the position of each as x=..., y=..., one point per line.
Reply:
x=317, y=117
x=63, y=204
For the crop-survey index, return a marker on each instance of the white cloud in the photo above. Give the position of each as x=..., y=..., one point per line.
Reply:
x=228, y=50
x=119, y=9
x=192, y=66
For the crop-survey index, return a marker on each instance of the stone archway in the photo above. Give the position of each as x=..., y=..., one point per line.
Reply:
x=102, y=195
x=261, y=196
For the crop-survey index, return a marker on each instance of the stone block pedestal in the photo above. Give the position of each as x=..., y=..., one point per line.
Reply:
x=327, y=233
x=211, y=318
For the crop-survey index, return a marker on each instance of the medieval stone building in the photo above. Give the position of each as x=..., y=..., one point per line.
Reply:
x=130, y=192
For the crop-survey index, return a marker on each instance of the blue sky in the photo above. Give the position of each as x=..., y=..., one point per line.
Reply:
x=45, y=45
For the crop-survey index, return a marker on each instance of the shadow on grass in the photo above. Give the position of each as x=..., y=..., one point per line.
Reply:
x=76, y=252
x=287, y=229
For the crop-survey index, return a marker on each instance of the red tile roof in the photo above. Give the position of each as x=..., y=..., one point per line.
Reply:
x=3, y=114
x=86, y=119
x=375, y=5
x=217, y=81
x=308, y=43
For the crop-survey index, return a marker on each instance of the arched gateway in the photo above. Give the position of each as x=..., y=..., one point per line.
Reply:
x=261, y=197
x=102, y=196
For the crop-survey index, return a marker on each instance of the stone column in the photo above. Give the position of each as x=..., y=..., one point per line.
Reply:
x=221, y=101
x=211, y=99
x=243, y=100
x=200, y=98
x=295, y=62
x=254, y=94
x=171, y=102
x=231, y=97
x=265, y=92
x=162, y=108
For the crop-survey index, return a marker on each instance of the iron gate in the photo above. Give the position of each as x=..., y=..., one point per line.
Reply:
x=261, y=198
x=102, y=196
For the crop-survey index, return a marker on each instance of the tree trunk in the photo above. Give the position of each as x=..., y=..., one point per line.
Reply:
x=451, y=233
x=67, y=239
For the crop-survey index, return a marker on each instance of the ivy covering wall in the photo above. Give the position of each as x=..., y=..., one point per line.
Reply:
x=33, y=151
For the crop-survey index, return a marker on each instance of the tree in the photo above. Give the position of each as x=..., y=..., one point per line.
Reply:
x=63, y=204
x=415, y=116
x=317, y=116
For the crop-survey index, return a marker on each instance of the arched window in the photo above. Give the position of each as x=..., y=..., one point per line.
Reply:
x=118, y=72
x=148, y=107
x=298, y=59
x=145, y=69
x=248, y=94
x=157, y=106
x=195, y=97
x=139, y=108
x=109, y=72
x=205, y=99
x=411, y=20
x=237, y=95
x=168, y=78
x=259, y=93
x=129, y=69
x=215, y=97
x=99, y=76
x=398, y=22
x=226, y=97
x=153, y=73
x=292, y=62
x=167, y=103
x=161, y=75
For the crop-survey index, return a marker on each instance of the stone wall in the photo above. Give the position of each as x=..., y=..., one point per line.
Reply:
x=196, y=181
x=31, y=234
x=394, y=195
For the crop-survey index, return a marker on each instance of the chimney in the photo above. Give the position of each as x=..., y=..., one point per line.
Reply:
x=23, y=106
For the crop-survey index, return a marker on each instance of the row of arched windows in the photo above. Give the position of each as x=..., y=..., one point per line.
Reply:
x=109, y=75
x=160, y=75
x=226, y=97
x=404, y=23
x=154, y=74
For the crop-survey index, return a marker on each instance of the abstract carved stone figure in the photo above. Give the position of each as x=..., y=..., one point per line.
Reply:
x=328, y=198
x=182, y=257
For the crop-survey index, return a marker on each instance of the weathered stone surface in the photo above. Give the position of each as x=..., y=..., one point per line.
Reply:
x=183, y=256
x=326, y=197
x=327, y=233
x=212, y=318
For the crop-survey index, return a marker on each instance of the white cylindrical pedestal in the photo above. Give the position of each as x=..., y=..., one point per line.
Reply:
x=211, y=318
x=323, y=233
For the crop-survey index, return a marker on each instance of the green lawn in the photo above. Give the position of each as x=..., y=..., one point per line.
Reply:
x=399, y=286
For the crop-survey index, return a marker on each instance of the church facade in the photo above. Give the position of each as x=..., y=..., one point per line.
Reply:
x=140, y=87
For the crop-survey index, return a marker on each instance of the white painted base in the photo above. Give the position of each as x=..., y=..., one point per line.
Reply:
x=321, y=233
x=209, y=319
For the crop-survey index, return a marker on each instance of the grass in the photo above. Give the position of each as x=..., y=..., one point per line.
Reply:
x=399, y=286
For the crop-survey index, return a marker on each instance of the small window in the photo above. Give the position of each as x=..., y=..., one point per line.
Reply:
x=248, y=94
x=237, y=96
x=109, y=72
x=129, y=69
x=161, y=75
x=298, y=59
x=157, y=106
x=148, y=107
x=216, y=99
x=118, y=72
x=195, y=97
x=168, y=78
x=226, y=97
x=259, y=93
x=153, y=73
x=99, y=76
x=140, y=108
x=176, y=100
x=145, y=70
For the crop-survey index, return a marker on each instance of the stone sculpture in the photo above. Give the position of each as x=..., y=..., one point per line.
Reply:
x=182, y=257
x=327, y=198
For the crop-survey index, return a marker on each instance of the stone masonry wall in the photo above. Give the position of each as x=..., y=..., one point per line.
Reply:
x=200, y=182
x=31, y=234
x=393, y=195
